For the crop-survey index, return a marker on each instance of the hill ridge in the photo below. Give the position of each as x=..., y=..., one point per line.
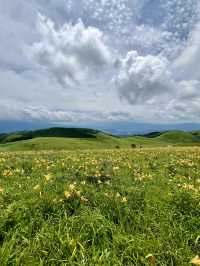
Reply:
x=84, y=138
x=49, y=132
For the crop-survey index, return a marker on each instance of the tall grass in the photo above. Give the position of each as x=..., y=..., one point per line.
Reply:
x=116, y=207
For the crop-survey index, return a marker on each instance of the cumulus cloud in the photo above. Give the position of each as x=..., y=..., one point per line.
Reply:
x=71, y=53
x=149, y=48
x=143, y=78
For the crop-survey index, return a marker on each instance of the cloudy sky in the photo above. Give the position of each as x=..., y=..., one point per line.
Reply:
x=96, y=61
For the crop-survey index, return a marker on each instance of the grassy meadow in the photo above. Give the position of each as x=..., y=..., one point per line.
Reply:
x=100, y=207
x=83, y=139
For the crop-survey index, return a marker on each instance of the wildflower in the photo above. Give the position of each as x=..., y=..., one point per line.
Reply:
x=67, y=194
x=143, y=177
x=7, y=173
x=37, y=187
x=108, y=195
x=19, y=171
x=71, y=187
x=189, y=187
x=151, y=258
x=83, y=200
x=1, y=190
x=48, y=177
x=124, y=200
x=83, y=182
x=196, y=260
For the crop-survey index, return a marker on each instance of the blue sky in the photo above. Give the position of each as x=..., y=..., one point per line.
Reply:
x=100, y=61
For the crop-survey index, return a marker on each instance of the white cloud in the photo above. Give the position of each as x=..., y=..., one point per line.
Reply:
x=185, y=105
x=156, y=45
x=144, y=78
x=16, y=31
x=39, y=113
x=72, y=53
x=187, y=64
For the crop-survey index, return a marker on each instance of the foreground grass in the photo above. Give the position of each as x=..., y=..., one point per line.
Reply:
x=105, y=207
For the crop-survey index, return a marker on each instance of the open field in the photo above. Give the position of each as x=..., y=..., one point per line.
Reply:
x=101, y=142
x=77, y=138
x=100, y=207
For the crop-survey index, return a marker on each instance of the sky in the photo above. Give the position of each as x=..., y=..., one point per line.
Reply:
x=100, y=61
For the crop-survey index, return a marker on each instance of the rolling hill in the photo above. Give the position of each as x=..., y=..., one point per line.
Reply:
x=51, y=132
x=178, y=137
x=80, y=138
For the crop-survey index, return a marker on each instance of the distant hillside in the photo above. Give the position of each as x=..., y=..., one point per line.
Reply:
x=178, y=137
x=51, y=132
x=79, y=138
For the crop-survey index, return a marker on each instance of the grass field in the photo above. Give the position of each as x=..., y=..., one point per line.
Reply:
x=81, y=139
x=101, y=142
x=100, y=207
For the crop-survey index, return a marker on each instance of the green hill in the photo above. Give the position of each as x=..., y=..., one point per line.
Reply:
x=78, y=138
x=51, y=132
x=176, y=137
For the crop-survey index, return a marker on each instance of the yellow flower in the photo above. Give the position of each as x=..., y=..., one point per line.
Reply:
x=71, y=187
x=151, y=258
x=196, y=260
x=67, y=194
x=124, y=200
x=7, y=173
x=83, y=200
x=189, y=187
x=1, y=190
x=48, y=177
x=37, y=188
